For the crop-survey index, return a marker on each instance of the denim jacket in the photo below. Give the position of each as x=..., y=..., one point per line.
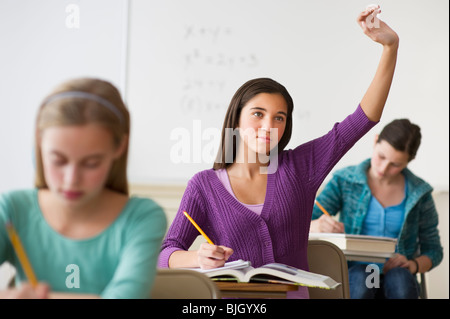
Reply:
x=348, y=193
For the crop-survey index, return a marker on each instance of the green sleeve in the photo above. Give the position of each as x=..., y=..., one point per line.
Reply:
x=429, y=239
x=5, y=245
x=330, y=198
x=135, y=273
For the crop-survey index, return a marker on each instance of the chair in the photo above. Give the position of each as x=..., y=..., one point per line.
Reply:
x=327, y=259
x=183, y=284
x=423, y=285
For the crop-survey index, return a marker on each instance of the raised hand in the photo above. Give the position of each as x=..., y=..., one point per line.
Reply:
x=375, y=28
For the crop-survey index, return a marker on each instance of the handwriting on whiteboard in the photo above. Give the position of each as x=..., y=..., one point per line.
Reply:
x=211, y=33
x=219, y=59
x=211, y=56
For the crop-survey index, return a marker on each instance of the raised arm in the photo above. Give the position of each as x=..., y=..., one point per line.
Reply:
x=376, y=95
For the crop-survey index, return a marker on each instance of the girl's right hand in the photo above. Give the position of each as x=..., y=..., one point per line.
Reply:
x=213, y=256
x=326, y=224
x=375, y=28
x=26, y=291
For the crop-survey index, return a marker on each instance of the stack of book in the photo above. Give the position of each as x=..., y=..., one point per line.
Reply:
x=360, y=247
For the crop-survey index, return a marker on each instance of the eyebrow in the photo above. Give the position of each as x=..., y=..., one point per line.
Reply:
x=381, y=154
x=263, y=109
x=93, y=156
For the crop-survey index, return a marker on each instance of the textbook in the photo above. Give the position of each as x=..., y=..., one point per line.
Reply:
x=358, y=243
x=242, y=271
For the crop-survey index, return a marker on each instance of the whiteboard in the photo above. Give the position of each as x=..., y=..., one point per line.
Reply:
x=187, y=58
x=42, y=44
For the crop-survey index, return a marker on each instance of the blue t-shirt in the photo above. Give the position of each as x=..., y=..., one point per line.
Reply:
x=120, y=262
x=384, y=221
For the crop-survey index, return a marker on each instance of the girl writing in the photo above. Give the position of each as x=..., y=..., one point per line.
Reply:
x=83, y=234
x=382, y=197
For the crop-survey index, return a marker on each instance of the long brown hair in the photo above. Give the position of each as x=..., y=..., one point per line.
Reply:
x=73, y=109
x=242, y=96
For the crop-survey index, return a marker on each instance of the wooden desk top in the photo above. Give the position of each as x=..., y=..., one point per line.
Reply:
x=254, y=286
x=254, y=289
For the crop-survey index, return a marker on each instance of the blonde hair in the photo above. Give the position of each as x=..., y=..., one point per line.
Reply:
x=83, y=101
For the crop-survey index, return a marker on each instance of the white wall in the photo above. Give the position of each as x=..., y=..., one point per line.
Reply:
x=315, y=48
x=188, y=57
x=437, y=279
x=41, y=45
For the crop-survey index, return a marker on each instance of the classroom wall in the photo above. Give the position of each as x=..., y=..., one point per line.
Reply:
x=190, y=57
x=437, y=279
x=43, y=43
x=178, y=63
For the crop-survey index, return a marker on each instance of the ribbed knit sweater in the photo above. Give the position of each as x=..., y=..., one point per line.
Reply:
x=280, y=233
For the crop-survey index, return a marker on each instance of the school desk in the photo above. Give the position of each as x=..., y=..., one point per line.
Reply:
x=367, y=256
x=253, y=290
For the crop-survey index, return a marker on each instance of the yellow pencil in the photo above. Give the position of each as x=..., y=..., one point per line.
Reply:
x=15, y=241
x=322, y=209
x=198, y=228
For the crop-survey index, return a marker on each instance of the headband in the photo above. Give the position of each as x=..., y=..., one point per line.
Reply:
x=87, y=96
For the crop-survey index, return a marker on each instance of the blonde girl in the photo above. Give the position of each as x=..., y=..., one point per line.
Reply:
x=83, y=234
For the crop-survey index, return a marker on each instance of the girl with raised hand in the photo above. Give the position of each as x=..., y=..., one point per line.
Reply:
x=256, y=202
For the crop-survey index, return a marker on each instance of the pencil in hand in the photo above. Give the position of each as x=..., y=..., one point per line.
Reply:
x=198, y=228
x=20, y=252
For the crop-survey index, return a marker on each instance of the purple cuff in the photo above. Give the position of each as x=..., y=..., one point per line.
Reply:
x=163, y=260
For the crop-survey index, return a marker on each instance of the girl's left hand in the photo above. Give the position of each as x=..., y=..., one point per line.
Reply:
x=375, y=28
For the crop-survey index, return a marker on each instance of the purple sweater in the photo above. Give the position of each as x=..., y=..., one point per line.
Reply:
x=280, y=233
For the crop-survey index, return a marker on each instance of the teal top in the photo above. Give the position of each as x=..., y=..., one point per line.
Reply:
x=384, y=221
x=120, y=262
x=348, y=194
